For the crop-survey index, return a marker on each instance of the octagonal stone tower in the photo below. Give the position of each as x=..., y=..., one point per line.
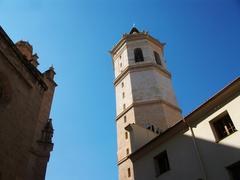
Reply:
x=144, y=93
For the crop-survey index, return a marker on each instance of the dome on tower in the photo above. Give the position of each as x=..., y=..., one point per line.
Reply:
x=134, y=30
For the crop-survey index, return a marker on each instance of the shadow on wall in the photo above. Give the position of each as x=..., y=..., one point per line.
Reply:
x=220, y=161
x=180, y=159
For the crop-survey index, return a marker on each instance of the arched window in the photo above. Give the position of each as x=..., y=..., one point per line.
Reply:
x=138, y=55
x=157, y=58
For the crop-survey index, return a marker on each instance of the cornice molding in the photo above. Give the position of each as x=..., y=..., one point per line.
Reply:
x=141, y=67
x=36, y=74
x=134, y=37
x=220, y=99
x=123, y=160
x=143, y=103
x=29, y=84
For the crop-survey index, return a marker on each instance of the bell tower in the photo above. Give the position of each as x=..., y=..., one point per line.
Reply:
x=144, y=93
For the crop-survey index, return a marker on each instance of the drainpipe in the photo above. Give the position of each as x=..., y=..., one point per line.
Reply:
x=202, y=168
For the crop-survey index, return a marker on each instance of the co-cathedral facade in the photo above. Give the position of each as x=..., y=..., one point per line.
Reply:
x=25, y=102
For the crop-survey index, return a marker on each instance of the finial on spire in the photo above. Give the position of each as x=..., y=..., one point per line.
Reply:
x=50, y=72
x=51, y=67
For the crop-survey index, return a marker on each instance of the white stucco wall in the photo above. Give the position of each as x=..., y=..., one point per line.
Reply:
x=218, y=155
x=181, y=158
x=184, y=164
x=140, y=136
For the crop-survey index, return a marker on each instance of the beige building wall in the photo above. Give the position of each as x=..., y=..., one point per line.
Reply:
x=123, y=169
x=122, y=140
x=144, y=45
x=120, y=61
x=123, y=91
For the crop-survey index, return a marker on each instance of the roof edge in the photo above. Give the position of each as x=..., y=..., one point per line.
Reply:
x=183, y=123
x=34, y=71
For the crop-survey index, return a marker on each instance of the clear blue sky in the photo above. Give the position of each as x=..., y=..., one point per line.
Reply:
x=202, y=52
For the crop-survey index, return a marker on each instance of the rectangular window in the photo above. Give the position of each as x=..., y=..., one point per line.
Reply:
x=161, y=163
x=129, y=172
x=125, y=119
x=126, y=135
x=123, y=95
x=127, y=151
x=222, y=126
x=234, y=171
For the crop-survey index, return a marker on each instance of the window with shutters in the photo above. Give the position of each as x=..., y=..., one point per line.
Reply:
x=161, y=163
x=222, y=126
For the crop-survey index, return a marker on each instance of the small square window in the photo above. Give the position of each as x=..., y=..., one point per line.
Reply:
x=161, y=163
x=222, y=126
